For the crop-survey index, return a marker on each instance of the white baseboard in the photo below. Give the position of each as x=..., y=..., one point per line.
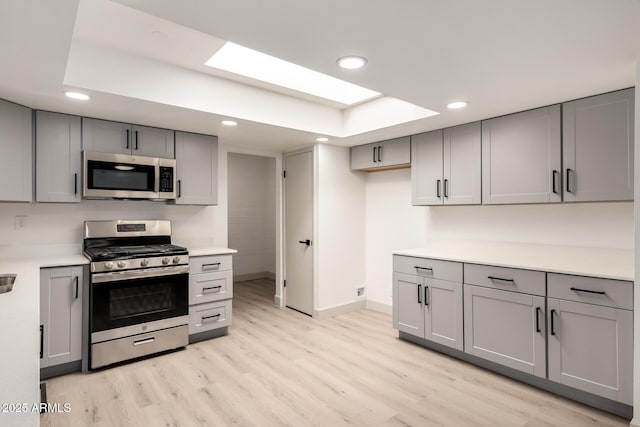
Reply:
x=254, y=276
x=338, y=309
x=277, y=301
x=635, y=422
x=380, y=307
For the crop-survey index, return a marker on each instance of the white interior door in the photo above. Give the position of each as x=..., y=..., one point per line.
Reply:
x=298, y=217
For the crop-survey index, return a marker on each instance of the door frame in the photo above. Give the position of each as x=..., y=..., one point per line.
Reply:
x=314, y=217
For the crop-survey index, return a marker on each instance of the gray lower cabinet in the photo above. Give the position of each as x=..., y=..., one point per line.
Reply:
x=123, y=138
x=598, y=147
x=58, y=157
x=16, y=147
x=210, y=294
x=385, y=154
x=590, y=335
x=425, y=306
x=60, y=315
x=446, y=166
x=521, y=157
x=196, y=169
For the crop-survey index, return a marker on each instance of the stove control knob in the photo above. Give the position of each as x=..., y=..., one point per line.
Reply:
x=165, y=260
x=108, y=265
x=144, y=263
x=176, y=260
x=121, y=264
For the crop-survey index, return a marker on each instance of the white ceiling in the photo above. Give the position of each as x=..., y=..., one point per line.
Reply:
x=143, y=63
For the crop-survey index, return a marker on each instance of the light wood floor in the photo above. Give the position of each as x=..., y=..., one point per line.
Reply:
x=280, y=367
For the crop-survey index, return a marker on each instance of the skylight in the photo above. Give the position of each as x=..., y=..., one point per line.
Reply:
x=260, y=66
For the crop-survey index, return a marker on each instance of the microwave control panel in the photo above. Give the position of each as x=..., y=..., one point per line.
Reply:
x=166, y=179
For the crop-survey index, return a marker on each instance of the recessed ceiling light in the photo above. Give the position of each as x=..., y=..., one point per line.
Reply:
x=266, y=68
x=229, y=123
x=77, y=95
x=352, y=62
x=322, y=139
x=457, y=104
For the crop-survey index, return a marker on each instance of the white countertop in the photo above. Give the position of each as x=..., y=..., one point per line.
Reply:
x=210, y=250
x=596, y=262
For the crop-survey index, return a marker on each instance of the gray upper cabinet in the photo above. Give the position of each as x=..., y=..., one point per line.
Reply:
x=58, y=157
x=598, y=147
x=196, y=169
x=521, y=157
x=16, y=140
x=388, y=154
x=60, y=315
x=446, y=166
x=123, y=138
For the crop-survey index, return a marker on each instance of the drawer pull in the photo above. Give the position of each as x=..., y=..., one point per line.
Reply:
x=215, y=265
x=144, y=341
x=217, y=289
x=215, y=316
x=588, y=291
x=500, y=279
x=422, y=268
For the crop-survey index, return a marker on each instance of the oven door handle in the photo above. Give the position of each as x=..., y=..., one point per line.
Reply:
x=114, y=276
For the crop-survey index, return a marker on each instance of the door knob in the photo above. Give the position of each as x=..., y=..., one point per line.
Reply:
x=306, y=242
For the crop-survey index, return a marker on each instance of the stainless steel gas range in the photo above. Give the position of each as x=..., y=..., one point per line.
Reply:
x=138, y=292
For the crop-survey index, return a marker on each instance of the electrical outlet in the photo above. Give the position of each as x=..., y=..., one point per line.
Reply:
x=361, y=291
x=20, y=221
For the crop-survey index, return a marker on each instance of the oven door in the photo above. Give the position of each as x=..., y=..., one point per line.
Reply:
x=139, y=297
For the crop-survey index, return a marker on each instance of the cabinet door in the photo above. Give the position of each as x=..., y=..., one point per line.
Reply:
x=196, y=169
x=364, y=157
x=58, y=157
x=462, y=159
x=152, y=142
x=408, y=312
x=521, y=157
x=60, y=315
x=598, y=147
x=394, y=152
x=426, y=168
x=15, y=145
x=105, y=136
x=591, y=348
x=443, y=312
x=506, y=328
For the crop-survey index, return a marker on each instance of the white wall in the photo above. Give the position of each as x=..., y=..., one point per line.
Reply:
x=339, y=227
x=392, y=223
x=252, y=202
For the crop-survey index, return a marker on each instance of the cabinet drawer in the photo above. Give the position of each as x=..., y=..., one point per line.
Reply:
x=509, y=279
x=209, y=287
x=426, y=267
x=205, y=317
x=592, y=290
x=209, y=264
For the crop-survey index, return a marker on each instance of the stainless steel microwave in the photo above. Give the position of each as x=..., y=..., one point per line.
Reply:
x=122, y=176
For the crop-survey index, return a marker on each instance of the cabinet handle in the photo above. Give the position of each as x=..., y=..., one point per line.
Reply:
x=144, y=341
x=215, y=265
x=492, y=278
x=136, y=132
x=588, y=291
x=41, y=341
x=210, y=288
x=374, y=154
x=568, y=187
x=422, y=268
x=553, y=330
x=438, y=188
x=553, y=184
x=426, y=295
x=75, y=183
x=419, y=294
x=538, y=310
x=379, y=153
x=210, y=317
x=127, y=139
x=446, y=188
x=76, y=280
x=179, y=188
